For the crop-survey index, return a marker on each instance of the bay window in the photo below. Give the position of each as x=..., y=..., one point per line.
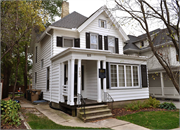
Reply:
x=124, y=76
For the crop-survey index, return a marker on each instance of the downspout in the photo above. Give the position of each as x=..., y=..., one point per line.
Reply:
x=50, y=66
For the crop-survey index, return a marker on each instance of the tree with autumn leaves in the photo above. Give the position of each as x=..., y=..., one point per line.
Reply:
x=18, y=20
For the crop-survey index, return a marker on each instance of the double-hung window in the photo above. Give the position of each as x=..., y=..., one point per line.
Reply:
x=68, y=42
x=93, y=41
x=124, y=76
x=111, y=44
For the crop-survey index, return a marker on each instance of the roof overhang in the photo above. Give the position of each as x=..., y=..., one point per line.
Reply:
x=174, y=68
x=56, y=28
x=96, y=14
x=93, y=51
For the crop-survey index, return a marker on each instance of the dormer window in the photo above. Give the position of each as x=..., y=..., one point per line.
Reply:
x=102, y=23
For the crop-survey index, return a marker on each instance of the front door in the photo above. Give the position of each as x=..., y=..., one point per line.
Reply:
x=75, y=78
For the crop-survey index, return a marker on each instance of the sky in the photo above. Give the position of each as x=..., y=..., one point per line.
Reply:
x=88, y=7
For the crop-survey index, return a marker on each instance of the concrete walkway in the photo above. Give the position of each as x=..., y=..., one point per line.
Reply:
x=64, y=119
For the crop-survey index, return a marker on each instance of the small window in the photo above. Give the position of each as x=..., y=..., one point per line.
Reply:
x=47, y=82
x=36, y=55
x=142, y=43
x=35, y=78
x=68, y=42
x=93, y=41
x=102, y=23
x=111, y=44
x=42, y=63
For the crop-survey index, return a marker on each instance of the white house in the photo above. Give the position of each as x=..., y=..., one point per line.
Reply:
x=160, y=85
x=70, y=52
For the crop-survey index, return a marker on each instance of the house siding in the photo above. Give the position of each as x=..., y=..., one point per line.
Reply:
x=42, y=53
x=94, y=28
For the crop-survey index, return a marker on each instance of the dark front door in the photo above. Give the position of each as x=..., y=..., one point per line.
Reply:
x=75, y=78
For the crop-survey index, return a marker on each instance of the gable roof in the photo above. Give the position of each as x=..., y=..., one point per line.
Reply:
x=73, y=20
x=113, y=20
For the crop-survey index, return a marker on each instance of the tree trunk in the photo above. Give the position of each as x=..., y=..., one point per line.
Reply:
x=7, y=73
x=25, y=68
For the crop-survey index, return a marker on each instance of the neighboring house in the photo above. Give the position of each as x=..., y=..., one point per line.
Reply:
x=70, y=52
x=160, y=85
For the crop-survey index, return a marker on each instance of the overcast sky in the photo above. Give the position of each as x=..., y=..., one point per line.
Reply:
x=88, y=7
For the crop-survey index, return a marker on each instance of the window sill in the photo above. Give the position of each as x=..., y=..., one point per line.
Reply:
x=123, y=88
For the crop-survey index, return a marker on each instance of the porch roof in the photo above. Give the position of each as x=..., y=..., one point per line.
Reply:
x=94, y=51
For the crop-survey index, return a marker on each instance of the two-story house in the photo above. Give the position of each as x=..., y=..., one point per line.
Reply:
x=160, y=85
x=73, y=53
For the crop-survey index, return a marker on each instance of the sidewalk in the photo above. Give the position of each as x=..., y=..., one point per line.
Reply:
x=64, y=119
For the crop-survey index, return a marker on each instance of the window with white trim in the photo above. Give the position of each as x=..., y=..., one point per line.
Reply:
x=102, y=23
x=124, y=76
x=93, y=41
x=68, y=42
x=111, y=44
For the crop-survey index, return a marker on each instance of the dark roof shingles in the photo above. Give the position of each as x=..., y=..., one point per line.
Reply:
x=73, y=20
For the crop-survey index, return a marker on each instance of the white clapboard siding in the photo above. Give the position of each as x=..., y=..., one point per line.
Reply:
x=55, y=93
x=44, y=52
x=129, y=94
x=59, y=33
x=91, y=80
x=94, y=28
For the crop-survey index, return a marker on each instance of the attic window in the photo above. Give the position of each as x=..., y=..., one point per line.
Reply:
x=102, y=23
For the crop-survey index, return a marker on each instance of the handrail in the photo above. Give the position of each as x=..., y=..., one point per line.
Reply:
x=82, y=102
x=108, y=98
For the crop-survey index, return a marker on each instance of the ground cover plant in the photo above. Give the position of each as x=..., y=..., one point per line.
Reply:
x=44, y=123
x=154, y=119
x=9, y=113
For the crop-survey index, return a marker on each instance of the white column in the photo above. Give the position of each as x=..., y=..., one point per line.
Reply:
x=69, y=81
x=72, y=82
x=79, y=78
x=104, y=79
x=98, y=83
x=62, y=81
x=162, y=83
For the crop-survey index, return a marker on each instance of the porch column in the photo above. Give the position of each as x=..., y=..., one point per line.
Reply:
x=79, y=78
x=98, y=83
x=62, y=82
x=104, y=79
x=162, y=83
x=72, y=82
x=69, y=81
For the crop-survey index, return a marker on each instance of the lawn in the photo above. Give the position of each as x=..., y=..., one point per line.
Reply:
x=44, y=123
x=154, y=119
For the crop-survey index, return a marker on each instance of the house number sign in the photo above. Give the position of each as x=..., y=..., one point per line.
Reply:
x=102, y=73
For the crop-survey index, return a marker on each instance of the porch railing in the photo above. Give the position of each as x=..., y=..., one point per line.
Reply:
x=81, y=103
x=108, y=98
x=65, y=90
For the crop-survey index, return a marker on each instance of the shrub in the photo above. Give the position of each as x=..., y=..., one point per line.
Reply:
x=168, y=106
x=151, y=102
x=9, y=112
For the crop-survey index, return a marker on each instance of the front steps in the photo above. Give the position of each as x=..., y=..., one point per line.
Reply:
x=93, y=113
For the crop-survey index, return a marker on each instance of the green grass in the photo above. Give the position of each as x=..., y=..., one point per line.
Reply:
x=154, y=119
x=44, y=123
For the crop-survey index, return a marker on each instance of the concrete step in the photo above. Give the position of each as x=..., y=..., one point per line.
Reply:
x=92, y=108
x=96, y=117
x=96, y=111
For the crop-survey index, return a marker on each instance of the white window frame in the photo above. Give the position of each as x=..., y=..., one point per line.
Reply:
x=68, y=38
x=114, y=43
x=96, y=40
x=104, y=21
x=125, y=80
